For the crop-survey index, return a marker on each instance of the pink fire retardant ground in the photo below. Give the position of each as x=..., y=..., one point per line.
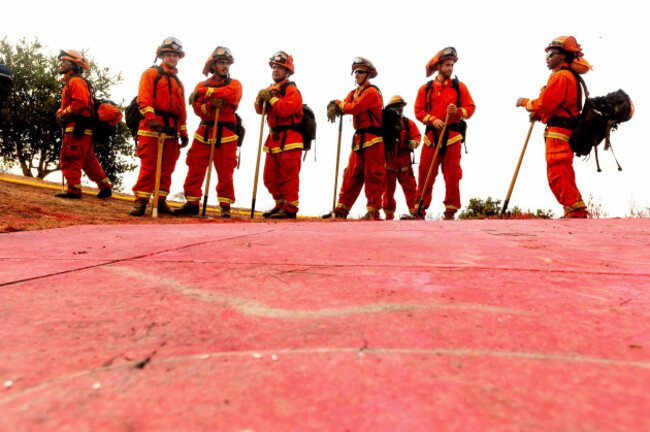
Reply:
x=339, y=326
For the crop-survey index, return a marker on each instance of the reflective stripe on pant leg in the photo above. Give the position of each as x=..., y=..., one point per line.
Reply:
x=289, y=185
x=147, y=151
x=197, y=160
x=560, y=173
x=225, y=161
x=453, y=173
x=425, y=162
x=352, y=183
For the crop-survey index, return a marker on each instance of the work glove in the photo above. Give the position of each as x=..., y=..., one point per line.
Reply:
x=266, y=94
x=333, y=111
x=193, y=97
x=217, y=103
x=184, y=141
x=154, y=125
x=534, y=117
x=58, y=116
x=413, y=144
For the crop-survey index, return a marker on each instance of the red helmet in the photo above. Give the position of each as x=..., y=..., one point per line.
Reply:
x=396, y=100
x=444, y=54
x=364, y=64
x=281, y=58
x=75, y=58
x=218, y=53
x=170, y=44
x=566, y=43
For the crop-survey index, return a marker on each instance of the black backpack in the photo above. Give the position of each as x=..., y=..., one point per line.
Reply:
x=132, y=115
x=462, y=125
x=598, y=117
x=307, y=126
x=391, y=125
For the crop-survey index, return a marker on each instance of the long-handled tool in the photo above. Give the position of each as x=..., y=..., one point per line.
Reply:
x=433, y=161
x=156, y=192
x=257, y=168
x=210, y=160
x=514, y=177
x=336, y=171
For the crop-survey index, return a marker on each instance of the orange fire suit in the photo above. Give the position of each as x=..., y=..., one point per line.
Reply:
x=168, y=107
x=77, y=151
x=429, y=106
x=556, y=106
x=367, y=161
x=398, y=167
x=225, y=149
x=283, y=146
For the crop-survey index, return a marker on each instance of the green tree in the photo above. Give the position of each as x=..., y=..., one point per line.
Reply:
x=479, y=209
x=29, y=134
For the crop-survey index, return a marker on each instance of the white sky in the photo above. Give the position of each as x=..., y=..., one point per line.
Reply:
x=501, y=57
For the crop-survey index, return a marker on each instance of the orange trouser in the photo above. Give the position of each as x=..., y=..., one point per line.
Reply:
x=404, y=173
x=282, y=178
x=561, y=176
x=147, y=151
x=367, y=167
x=451, y=171
x=225, y=162
x=77, y=154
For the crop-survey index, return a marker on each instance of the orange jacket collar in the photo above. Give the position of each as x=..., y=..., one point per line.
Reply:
x=66, y=77
x=565, y=65
x=168, y=69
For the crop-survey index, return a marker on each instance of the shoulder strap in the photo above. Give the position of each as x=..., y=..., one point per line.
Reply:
x=427, y=97
x=91, y=100
x=580, y=83
x=456, y=86
x=283, y=87
x=223, y=84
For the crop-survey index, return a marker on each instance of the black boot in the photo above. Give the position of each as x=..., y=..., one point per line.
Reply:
x=334, y=214
x=188, y=209
x=139, y=207
x=163, y=208
x=271, y=212
x=283, y=214
x=68, y=195
x=225, y=212
x=104, y=193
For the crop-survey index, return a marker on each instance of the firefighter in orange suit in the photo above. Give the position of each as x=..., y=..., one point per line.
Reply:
x=77, y=152
x=558, y=105
x=283, y=146
x=163, y=109
x=398, y=163
x=367, y=160
x=223, y=93
x=435, y=100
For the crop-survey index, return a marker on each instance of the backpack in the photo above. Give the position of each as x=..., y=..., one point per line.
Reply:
x=104, y=116
x=132, y=111
x=462, y=125
x=307, y=126
x=598, y=117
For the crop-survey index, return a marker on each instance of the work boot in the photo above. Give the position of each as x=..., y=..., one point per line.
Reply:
x=68, y=195
x=414, y=216
x=139, y=207
x=335, y=215
x=448, y=216
x=580, y=213
x=188, y=209
x=104, y=193
x=269, y=213
x=225, y=212
x=163, y=208
x=374, y=216
x=283, y=214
